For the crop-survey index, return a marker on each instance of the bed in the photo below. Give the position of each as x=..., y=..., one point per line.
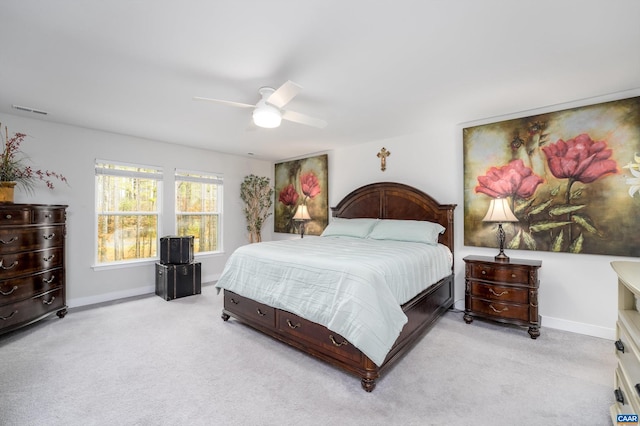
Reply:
x=366, y=353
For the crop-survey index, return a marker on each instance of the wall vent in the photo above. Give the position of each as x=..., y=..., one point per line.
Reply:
x=27, y=109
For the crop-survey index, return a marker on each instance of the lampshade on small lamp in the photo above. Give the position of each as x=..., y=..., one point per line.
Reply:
x=500, y=212
x=302, y=215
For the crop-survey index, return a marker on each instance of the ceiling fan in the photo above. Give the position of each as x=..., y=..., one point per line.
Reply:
x=269, y=112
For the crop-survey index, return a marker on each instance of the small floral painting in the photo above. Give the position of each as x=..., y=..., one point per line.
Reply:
x=302, y=183
x=572, y=178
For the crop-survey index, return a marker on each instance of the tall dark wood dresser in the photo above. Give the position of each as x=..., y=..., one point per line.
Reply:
x=32, y=281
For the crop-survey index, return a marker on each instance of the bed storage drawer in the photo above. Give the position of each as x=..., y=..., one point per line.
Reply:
x=249, y=309
x=317, y=336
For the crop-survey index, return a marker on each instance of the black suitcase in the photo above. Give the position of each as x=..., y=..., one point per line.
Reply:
x=174, y=281
x=176, y=250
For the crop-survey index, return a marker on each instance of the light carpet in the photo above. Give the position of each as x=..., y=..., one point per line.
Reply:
x=147, y=361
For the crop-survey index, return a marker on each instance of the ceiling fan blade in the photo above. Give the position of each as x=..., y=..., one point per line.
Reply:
x=296, y=117
x=220, y=101
x=284, y=94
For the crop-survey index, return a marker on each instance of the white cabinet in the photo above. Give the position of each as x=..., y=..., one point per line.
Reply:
x=627, y=375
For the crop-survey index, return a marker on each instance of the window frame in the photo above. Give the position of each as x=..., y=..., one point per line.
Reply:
x=155, y=173
x=187, y=175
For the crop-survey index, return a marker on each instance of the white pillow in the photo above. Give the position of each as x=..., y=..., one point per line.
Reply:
x=358, y=228
x=418, y=231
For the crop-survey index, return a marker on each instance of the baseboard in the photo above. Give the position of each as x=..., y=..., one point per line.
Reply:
x=579, y=327
x=116, y=295
x=567, y=325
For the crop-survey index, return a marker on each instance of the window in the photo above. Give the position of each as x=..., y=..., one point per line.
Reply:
x=198, y=209
x=127, y=211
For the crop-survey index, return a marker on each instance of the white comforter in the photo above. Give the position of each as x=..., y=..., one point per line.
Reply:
x=352, y=286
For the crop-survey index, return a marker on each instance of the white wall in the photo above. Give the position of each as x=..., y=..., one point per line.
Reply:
x=578, y=292
x=72, y=151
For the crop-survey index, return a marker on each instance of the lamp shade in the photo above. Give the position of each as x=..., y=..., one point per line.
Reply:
x=302, y=213
x=499, y=211
x=267, y=116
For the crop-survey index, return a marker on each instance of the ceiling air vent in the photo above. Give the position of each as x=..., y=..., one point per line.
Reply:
x=27, y=109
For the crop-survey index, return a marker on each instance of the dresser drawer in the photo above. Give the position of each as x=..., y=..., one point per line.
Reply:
x=498, y=292
x=249, y=309
x=15, y=216
x=46, y=215
x=20, y=288
x=317, y=336
x=500, y=310
x=31, y=238
x=31, y=309
x=21, y=264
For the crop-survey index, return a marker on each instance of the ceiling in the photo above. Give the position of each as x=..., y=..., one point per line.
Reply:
x=372, y=69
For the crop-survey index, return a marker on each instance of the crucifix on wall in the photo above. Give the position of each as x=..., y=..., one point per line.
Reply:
x=382, y=155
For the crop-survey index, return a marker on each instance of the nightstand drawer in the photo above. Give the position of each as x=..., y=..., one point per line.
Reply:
x=498, y=292
x=507, y=274
x=500, y=310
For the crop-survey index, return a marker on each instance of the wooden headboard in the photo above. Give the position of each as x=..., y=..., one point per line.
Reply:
x=390, y=200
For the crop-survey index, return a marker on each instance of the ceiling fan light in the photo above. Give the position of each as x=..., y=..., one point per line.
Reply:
x=267, y=116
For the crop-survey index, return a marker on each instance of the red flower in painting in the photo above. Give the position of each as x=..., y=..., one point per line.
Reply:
x=580, y=159
x=514, y=179
x=288, y=196
x=310, y=185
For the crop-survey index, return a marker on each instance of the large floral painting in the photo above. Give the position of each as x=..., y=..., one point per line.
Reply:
x=302, y=182
x=572, y=178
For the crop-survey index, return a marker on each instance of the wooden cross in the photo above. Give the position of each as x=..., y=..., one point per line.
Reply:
x=382, y=155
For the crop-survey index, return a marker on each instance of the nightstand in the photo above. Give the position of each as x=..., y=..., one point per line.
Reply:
x=506, y=292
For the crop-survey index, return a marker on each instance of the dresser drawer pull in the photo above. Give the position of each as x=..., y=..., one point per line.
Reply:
x=620, y=346
x=50, y=236
x=10, y=315
x=637, y=387
x=260, y=312
x=50, y=280
x=498, y=294
x=11, y=240
x=7, y=267
x=44, y=302
x=483, y=272
x=344, y=342
x=47, y=216
x=15, y=287
x=513, y=275
x=8, y=216
x=498, y=311
x=234, y=301
x=619, y=396
x=292, y=325
x=49, y=258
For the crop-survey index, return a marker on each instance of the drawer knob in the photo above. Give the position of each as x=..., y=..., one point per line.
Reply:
x=8, y=216
x=44, y=302
x=50, y=280
x=483, y=272
x=7, y=267
x=619, y=395
x=502, y=293
x=637, y=387
x=15, y=287
x=10, y=315
x=234, y=301
x=620, y=346
x=344, y=342
x=498, y=310
x=50, y=236
x=49, y=258
x=292, y=325
x=260, y=312
x=9, y=241
x=513, y=275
